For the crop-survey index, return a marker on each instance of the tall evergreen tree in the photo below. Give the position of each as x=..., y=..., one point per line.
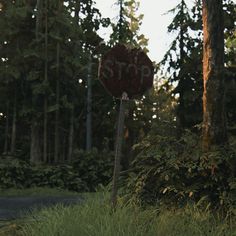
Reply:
x=126, y=29
x=183, y=61
x=214, y=122
x=33, y=35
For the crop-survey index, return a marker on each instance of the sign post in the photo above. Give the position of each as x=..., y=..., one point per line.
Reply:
x=126, y=74
x=120, y=133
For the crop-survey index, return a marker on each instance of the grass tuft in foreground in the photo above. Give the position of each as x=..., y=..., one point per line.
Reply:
x=95, y=218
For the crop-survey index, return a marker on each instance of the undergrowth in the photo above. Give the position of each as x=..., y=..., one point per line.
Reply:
x=173, y=171
x=96, y=218
x=85, y=173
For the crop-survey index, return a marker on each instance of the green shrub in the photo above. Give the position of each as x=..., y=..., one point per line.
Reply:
x=15, y=173
x=86, y=173
x=174, y=171
x=95, y=168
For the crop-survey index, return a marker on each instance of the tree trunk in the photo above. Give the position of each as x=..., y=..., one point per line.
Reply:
x=38, y=18
x=64, y=148
x=45, y=133
x=35, y=147
x=71, y=136
x=89, y=108
x=214, y=122
x=13, y=135
x=77, y=10
x=6, y=130
x=181, y=85
x=57, y=112
x=45, y=130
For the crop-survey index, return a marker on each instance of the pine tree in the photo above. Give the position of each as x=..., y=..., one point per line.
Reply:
x=32, y=42
x=183, y=63
x=127, y=28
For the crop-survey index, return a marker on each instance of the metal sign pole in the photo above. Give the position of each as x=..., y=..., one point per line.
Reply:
x=118, y=151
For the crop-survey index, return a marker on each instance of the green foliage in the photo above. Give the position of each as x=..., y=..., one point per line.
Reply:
x=95, y=168
x=19, y=174
x=174, y=171
x=183, y=60
x=63, y=176
x=96, y=218
x=86, y=173
x=126, y=30
x=183, y=63
x=71, y=37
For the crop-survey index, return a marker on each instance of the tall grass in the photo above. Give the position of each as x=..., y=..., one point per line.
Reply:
x=95, y=218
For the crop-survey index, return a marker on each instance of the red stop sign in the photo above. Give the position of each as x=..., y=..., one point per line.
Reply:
x=126, y=70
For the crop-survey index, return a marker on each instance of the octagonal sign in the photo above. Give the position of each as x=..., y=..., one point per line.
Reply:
x=126, y=70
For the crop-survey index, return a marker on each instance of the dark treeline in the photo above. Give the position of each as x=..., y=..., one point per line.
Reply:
x=51, y=101
x=46, y=49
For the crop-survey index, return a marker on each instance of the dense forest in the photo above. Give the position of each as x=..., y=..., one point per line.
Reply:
x=58, y=124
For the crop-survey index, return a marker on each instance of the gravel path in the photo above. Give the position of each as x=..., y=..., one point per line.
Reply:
x=15, y=207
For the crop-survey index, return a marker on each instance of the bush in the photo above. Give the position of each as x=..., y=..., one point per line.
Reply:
x=175, y=171
x=15, y=173
x=86, y=173
x=95, y=168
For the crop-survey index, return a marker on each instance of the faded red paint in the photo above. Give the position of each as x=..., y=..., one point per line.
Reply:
x=126, y=70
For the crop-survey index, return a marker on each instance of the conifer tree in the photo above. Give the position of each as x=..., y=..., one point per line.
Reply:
x=183, y=63
x=126, y=29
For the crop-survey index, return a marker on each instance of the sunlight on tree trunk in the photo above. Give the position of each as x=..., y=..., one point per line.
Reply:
x=214, y=123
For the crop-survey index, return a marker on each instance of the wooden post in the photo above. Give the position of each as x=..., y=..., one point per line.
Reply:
x=118, y=151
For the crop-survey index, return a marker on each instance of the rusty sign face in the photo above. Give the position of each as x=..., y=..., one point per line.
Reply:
x=126, y=70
